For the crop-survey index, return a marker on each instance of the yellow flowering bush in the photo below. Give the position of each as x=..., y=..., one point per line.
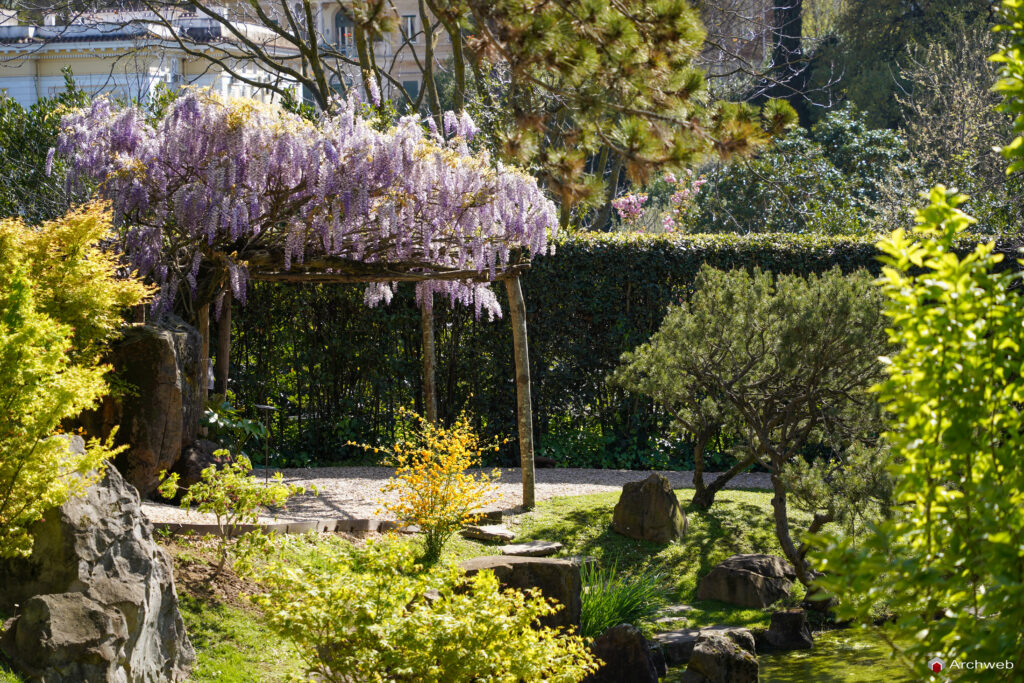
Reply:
x=433, y=489
x=60, y=302
x=372, y=614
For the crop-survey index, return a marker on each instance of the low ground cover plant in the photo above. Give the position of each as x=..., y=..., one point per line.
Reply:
x=435, y=491
x=371, y=613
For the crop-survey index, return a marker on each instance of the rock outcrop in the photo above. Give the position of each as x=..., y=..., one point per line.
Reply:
x=556, y=578
x=789, y=630
x=678, y=646
x=754, y=581
x=159, y=416
x=100, y=548
x=627, y=657
x=648, y=510
x=717, y=658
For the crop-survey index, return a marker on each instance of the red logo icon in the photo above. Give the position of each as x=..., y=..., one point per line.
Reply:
x=935, y=665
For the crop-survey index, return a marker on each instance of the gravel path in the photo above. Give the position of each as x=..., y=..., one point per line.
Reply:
x=353, y=492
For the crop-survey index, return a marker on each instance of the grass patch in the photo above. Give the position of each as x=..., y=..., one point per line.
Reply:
x=738, y=522
x=235, y=646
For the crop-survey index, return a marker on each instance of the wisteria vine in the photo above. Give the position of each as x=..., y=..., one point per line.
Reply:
x=222, y=178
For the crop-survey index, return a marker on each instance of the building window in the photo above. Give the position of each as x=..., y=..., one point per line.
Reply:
x=409, y=27
x=346, y=32
x=412, y=87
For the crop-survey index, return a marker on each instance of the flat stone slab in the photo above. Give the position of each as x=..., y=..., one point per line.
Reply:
x=492, y=532
x=531, y=548
x=675, y=610
x=492, y=515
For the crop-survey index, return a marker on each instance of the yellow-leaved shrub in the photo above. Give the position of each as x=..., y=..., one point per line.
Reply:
x=372, y=614
x=60, y=302
x=432, y=486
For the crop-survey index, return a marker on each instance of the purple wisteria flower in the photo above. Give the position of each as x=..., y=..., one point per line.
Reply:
x=218, y=179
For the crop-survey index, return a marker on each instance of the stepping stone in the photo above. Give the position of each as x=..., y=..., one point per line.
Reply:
x=670, y=620
x=675, y=610
x=492, y=532
x=531, y=548
x=492, y=515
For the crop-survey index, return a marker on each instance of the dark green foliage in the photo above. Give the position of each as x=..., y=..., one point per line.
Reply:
x=339, y=371
x=26, y=135
x=829, y=179
x=873, y=36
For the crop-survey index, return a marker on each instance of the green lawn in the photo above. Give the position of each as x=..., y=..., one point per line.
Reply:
x=234, y=646
x=738, y=522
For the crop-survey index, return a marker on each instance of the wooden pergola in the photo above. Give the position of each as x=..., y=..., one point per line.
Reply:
x=268, y=266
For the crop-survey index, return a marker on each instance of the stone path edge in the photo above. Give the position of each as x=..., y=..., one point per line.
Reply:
x=304, y=526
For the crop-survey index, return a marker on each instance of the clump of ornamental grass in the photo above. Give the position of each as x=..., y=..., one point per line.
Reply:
x=432, y=485
x=611, y=598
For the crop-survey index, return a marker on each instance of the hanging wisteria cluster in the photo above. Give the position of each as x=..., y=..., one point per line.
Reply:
x=219, y=179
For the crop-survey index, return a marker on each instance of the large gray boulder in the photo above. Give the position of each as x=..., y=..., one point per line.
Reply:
x=100, y=546
x=555, y=578
x=160, y=414
x=789, y=630
x=68, y=637
x=627, y=657
x=754, y=581
x=648, y=510
x=677, y=646
x=717, y=658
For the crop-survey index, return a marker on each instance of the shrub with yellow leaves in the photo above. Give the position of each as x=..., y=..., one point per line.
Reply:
x=433, y=488
x=371, y=613
x=60, y=302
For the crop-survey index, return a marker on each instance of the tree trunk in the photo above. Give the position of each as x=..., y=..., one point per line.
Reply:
x=429, y=364
x=221, y=367
x=517, y=312
x=204, y=351
x=782, y=531
x=704, y=496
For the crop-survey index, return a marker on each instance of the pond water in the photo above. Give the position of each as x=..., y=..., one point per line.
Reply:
x=843, y=656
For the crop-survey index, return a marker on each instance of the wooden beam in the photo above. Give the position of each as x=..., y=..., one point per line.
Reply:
x=524, y=411
x=382, y=275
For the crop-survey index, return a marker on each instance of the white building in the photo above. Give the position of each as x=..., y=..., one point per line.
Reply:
x=126, y=56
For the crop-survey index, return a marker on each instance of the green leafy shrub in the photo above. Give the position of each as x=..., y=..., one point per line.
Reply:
x=611, y=598
x=60, y=302
x=948, y=562
x=371, y=614
x=343, y=375
x=232, y=495
x=27, y=187
x=830, y=179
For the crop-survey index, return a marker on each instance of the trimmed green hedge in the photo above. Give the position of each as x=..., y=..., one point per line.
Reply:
x=339, y=371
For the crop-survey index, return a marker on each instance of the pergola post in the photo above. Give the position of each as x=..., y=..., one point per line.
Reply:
x=429, y=364
x=517, y=312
